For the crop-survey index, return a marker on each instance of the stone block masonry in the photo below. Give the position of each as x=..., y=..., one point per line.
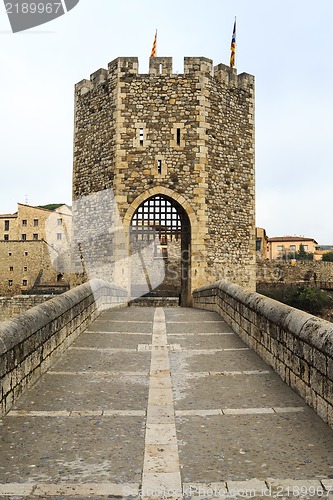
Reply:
x=10, y=306
x=298, y=346
x=30, y=342
x=187, y=137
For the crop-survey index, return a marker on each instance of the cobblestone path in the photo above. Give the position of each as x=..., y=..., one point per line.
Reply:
x=163, y=403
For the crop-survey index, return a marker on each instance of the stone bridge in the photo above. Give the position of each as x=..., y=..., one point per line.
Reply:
x=229, y=399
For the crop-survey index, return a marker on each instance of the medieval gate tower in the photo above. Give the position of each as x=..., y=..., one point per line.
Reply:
x=164, y=176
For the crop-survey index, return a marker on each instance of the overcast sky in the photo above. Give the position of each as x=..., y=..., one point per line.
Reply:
x=286, y=44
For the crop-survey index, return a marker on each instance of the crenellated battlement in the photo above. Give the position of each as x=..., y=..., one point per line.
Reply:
x=163, y=67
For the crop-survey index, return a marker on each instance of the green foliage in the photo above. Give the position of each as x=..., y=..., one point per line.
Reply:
x=311, y=300
x=328, y=257
x=302, y=254
x=51, y=206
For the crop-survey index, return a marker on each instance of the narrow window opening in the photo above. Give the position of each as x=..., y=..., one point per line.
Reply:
x=6, y=237
x=6, y=225
x=141, y=136
x=24, y=222
x=10, y=282
x=24, y=282
x=160, y=68
x=35, y=222
x=159, y=166
x=25, y=269
x=23, y=237
x=35, y=236
x=178, y=137
x=11, y=268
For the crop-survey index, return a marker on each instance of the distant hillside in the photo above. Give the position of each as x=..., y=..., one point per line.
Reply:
x=51, y=206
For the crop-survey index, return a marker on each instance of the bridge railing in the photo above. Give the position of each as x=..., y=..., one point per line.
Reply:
x=298, y=346
x=31, y=342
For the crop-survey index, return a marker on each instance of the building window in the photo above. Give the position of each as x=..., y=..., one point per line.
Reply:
x=178, y=136
x=24, y=282
x=25, y=254
x=25, y=268
x=23, y=237
x=159, y=166
x=6, y=237
x=141, y=136
x=9, y=254
x=6, y=225
x=306, y=247
x=59, y=221
x=293, y=248
x=11, y=268
x=59, y=236
x=24, y=222
x=10, y=282
x=35, y=222
x=35, y=236
x=280, y=248
x=258, y=244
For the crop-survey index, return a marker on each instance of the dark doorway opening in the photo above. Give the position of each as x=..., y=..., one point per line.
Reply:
x=160, y=239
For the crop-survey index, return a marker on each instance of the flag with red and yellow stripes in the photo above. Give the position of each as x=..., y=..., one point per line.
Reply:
x=153, y=50
x=233, y=47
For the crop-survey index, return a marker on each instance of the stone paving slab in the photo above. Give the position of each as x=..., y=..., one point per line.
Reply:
x=68, y=392
x=74, y=360
x=112, y=340
x=202, y=327
x=121, y=326
x=224, y=361
x=79, y=449
x=215, y=341
x=140, y=314
x=240, y=391
x=293, y=445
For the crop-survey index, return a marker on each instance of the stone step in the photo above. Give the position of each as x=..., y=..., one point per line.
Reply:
x=155, y=302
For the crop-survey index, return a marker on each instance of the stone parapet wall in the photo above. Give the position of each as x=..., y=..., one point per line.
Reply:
x=10, y=306
x=285, y=272
x=31, y=342
x=298, y=346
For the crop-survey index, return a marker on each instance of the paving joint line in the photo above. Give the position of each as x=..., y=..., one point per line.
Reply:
x=262, y=488
x=161, y=468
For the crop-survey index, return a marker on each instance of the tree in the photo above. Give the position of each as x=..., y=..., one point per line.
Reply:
x=328, y=257
x=302, y=254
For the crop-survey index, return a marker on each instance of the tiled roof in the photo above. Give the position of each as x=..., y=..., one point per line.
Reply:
x=292, y=238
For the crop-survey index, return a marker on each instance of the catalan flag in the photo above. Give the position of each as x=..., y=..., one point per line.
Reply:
x=233, y=47
x=153, y=50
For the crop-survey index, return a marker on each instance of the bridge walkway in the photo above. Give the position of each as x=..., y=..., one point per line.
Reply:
x=163, y=403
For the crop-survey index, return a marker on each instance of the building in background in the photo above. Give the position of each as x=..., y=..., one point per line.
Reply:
x=35, y=249
x=286, y=247
x=262, y=247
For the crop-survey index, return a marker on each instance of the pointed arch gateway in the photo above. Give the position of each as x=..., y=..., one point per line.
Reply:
x=160, y=237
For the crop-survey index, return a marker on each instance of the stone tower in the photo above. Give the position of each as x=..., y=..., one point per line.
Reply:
x=165, y=162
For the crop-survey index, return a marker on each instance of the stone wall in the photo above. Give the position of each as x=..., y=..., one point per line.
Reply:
x=10, y=306
x=298, y=346
x=32, y=341
x=286, y=272
x=188, y=137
